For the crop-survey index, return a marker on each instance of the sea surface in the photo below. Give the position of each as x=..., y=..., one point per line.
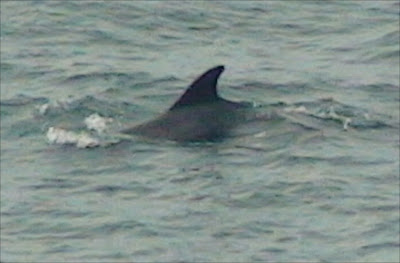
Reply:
x=320, y=184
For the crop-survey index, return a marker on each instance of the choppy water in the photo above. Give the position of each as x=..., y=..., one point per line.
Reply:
x=323, y=185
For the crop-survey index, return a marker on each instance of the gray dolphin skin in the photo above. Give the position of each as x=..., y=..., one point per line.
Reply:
x=198, y=115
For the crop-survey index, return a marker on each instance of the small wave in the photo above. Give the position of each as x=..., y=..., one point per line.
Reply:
x=348, y=116
x=57, y=184
x=118, y=76
x=380, y=246
x=21, y=100
x=110, y=189
x=330, y=114
x=80, y=108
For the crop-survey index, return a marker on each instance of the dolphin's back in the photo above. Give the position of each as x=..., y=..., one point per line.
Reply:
x=198, y=115
x=199, y=123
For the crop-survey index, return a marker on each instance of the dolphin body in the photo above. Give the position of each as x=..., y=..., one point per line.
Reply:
x=198, y=115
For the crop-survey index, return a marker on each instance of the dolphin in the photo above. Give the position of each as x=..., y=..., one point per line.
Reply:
x=200, y=114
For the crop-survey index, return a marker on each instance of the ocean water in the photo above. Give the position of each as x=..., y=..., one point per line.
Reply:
x=321, y=184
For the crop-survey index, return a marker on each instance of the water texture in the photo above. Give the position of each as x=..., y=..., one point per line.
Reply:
x=321, y=184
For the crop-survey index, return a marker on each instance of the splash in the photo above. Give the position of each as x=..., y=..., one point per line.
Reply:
x=83, y=139
x=330, y=114
x=61, y=136
x=97, y=123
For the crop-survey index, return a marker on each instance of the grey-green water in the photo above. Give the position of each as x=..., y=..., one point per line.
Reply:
x=303, y=189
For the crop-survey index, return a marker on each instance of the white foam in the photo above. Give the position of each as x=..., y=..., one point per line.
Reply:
x=59, y=104
x=61, y=136
x=260, y=134
x=44, y=108
x=300, y=109
x=97, y=123
x=346, y=123
x=345, y=120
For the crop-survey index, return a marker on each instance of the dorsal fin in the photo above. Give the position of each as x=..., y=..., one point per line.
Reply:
x=202, y=90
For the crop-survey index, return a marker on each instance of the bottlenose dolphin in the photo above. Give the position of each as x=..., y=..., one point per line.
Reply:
x=198, y=115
